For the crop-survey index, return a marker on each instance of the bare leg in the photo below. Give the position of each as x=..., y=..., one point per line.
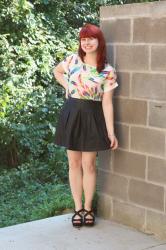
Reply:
x=75, y=177
x=89, y=177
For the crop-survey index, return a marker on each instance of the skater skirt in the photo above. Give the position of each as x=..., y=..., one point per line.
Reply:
x=81, y=126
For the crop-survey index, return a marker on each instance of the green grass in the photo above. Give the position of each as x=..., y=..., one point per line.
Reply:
x=34, y=191
x=34, y=201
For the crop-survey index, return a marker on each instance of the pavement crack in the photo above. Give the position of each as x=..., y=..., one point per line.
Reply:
x=154, y=246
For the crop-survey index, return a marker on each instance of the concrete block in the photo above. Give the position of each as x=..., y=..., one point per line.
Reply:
x=128, y=163
x=122, y=133
x=158, y=58
x=156, y=223
x=148, y=140
x=110, y=55
x=154, y=9
x=104, y=206
x=113, y=185
x=104, y=159
x=116, y=30
x=130, y=110
x=146, y=194
x=149, y=85
x=123, y=79
x=128, y=214
x=133, y=57
x=157, y=170
x=157, y=114
x=149, y=30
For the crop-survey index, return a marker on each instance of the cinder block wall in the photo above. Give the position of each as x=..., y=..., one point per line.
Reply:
x=132, y=180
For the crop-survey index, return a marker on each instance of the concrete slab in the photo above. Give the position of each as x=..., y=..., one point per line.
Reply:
x=57, y=233
x=162, y=247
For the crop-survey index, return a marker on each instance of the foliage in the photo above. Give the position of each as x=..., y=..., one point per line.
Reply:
x=28, y=194
x=30, y=99
x=34, y=191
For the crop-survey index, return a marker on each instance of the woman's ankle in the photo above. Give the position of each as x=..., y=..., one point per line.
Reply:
x=88, y=207
x=78, y=207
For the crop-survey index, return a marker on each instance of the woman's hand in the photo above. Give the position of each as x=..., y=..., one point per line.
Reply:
x=114, y=141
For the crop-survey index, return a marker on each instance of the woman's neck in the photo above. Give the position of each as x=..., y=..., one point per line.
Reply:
x=91, y=59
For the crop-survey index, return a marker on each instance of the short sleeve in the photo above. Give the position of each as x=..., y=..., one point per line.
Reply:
x=110, y=80
x=66, y=63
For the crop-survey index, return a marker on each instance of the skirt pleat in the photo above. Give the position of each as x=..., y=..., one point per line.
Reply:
x=81, y=126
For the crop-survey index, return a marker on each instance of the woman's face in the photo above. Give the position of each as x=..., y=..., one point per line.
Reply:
x=89, y=44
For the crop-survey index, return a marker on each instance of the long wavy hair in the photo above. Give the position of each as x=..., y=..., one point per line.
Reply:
x=91, y=30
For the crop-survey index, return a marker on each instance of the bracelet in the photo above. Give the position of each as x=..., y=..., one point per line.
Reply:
x=111, y=134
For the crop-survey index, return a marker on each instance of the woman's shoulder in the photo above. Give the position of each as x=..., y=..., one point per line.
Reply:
x=108, y=71
x=108, y=67
x=69, y=56
x=69, y=60
x=72, y=58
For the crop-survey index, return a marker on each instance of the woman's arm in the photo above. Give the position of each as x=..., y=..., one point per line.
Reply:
x=108, y=111
x=107, y=106
x=58, y=72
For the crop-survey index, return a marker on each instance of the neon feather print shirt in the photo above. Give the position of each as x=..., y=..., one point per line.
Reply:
x=85, y=82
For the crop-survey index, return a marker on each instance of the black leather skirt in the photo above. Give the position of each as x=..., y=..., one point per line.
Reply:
x=81, y=126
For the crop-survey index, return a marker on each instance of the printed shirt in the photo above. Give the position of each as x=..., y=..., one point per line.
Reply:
x=85, y=82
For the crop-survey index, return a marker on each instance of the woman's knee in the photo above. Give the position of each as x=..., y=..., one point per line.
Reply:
x=89, y=162
x=74, y=159
x=74, y=164
x=89, y=166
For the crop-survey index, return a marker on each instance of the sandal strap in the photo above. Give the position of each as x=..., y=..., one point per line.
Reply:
x=89, y=213
x=77, y=213
x=76, y=219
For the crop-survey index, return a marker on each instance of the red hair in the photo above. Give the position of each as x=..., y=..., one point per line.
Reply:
x=91, y=30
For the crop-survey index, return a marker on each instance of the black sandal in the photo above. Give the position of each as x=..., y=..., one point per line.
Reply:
x=77, y=222
x=89, y=221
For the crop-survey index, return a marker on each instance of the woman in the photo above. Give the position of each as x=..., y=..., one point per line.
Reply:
x=85, y=124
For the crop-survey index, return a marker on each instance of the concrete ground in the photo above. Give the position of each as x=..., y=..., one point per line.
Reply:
x=57, y=233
